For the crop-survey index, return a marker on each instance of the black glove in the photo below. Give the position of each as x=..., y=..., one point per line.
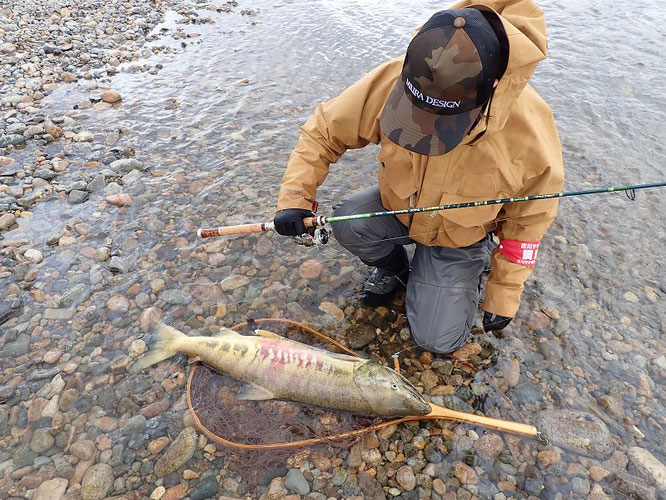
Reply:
x=494, y=321
x=289, y=222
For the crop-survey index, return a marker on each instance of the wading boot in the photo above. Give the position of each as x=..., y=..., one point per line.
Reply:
x=390, y=273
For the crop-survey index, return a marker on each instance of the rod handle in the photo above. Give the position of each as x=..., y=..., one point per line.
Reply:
x=492, y=423
x=229, y=230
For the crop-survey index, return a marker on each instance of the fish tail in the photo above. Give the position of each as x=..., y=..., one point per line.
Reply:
x=163, y=346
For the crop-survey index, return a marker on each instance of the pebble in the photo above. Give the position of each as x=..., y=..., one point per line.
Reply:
x=6, y=221
x=119, y=200
x=332, y=309
x=310, y=269
x=97, y=482
x=181, y=450
x=464, y=473
x=207, y=488
x=489, y=446
x=233, y=282
x=158, y=493
x=406, y=478
x=175, y=297
x=118, y=303
x=111, y=96
x=41, y=441
x=53, y=489
x=295, y=481
x=34, y=256
x=649, y=467
x=84, y=449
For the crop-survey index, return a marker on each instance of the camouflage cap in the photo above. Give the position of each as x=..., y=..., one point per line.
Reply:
x=447, y=77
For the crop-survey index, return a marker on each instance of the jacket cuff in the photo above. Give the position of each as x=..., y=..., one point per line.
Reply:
x=502, y=300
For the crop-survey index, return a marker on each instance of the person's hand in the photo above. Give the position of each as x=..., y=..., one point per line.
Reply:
x=289, y=222
x=494, y=321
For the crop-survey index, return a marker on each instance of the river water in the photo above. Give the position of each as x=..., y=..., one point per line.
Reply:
x=214, y=128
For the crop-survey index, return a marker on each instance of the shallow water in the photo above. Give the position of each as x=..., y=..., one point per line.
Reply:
x=215, y=127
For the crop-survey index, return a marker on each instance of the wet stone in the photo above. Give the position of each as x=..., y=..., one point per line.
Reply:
x=649, y=467
x=181, y=450
x=97, y=481
x=361, y=336
x=175, y=297
x=295, y=481
x=577, y=431
x=76, y=196
x=41, y=441
x=632, y=487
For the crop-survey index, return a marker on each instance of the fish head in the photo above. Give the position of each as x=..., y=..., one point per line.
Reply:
x=387, y=392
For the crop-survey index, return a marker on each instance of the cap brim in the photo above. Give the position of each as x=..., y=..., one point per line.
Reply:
x=419, y=131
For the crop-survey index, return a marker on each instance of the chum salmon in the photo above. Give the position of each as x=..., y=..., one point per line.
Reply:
x=271, y=366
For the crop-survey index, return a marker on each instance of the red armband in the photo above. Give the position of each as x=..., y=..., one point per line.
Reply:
x=521, y=252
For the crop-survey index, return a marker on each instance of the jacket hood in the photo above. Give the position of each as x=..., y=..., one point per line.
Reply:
x=525, y=28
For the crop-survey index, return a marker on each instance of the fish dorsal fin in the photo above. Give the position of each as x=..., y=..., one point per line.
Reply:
x=344, y=357
x=253, y=392
x=267, y=334
x=226, y=331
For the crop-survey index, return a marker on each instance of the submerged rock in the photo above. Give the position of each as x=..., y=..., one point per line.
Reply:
x=577, y=431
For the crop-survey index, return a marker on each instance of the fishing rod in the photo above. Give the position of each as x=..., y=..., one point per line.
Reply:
x=321, y=220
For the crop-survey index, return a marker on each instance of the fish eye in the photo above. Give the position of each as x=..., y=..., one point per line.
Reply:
x=394, y=387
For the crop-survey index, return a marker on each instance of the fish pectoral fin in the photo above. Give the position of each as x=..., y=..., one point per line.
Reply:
x=193, y=359
x=253, y=392
x=267, y=334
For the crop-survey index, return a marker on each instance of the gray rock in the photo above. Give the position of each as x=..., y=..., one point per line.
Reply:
x=370, y=487
x=118, y=265
x=41, y=441
x=97, y=184
x=207, y=488
x=126, y=165
x=17, y=348
x=533, y=486
x=133, y=176
x=74, y=296
x=295, y=481
x=577, y=431
x=78, y=186
x=11, y=139
x=580, y=486
x=77, y=196
x=44, y=173
x=16, y=128
x=6, y=393
x=175, y=297
x=453, y=403
x=135, y=424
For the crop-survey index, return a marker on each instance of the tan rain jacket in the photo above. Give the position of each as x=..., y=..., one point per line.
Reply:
x=519, y=154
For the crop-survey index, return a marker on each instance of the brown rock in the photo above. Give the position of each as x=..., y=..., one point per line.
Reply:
x=429, y=379
x=467, y=351
x=53, y=489
x=84, y=449
x=310, y=269
x=320, y=461
x=548, y=457
x=181, y=450
x=406, y=478
x=511, y=372
x=106, y=423
x=175, y=492
x=442, y=390
x=598, y=473
x=538, y=320
x=464, y=473
x=111, y=96
x=118, y=303
x=158, y=445
x=156, y=408
x=489, y=446
x=119, y=199
x=52, y=356
x=68, y=399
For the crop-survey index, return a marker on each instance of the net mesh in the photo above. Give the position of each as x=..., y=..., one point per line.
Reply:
x=230, y=422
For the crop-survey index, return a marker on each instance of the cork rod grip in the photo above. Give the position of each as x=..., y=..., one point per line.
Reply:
x=229, y=230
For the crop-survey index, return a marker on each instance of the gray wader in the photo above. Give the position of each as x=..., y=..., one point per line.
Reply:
x=443, y=287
